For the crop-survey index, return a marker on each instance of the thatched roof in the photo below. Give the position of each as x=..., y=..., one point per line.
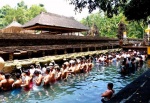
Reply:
x=13, y=27
x=55, y=23
x=14, y=24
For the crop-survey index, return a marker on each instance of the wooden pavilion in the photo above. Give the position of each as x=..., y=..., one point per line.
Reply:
x=13, y=27
x=54, y=24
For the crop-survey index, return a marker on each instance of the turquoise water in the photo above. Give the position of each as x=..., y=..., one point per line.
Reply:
x=85, y=88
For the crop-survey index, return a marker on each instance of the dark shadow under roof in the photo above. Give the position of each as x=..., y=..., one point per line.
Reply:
x=55, y=23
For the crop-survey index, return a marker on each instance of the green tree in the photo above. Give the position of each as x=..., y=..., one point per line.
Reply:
x=137, y=10
x=3, y=12
x=133, y=9
x=21, y=13
x=109, y=26
x=34, y=10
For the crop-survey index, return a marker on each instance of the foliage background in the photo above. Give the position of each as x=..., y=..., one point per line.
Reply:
x=107, y=26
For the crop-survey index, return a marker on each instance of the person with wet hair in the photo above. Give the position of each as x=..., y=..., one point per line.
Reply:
x=32, y=69
x=38, y=77
x=58, y=77
x=6, y=84
x=52, y=74
x=77, y=67
x=18, y=82
x=64, y=72
x=47, y=77
x=27, y=83
x=107, y=95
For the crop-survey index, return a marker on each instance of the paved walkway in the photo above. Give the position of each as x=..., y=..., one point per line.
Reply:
x=137, y=91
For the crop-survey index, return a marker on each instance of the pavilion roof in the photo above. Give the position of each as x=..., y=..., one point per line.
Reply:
x=14, y=24
x=55, y=23
x=13, y=27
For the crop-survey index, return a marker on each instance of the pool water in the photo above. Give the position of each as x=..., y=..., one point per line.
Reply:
x=85, y=88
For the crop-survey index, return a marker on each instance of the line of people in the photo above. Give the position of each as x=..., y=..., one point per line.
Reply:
x=39, y=77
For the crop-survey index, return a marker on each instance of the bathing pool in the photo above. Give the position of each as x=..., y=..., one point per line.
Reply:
x=85, y=88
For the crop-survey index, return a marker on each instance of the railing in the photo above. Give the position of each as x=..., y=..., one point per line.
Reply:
x=46, y=36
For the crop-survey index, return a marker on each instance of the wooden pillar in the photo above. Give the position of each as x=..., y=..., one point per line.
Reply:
x=74, y=50
x=81, y=49
x=11, y=56
x=55, y=52
x=43, y=52
x=65, y=51
x=29, y=54
x=95, y=48
x=88, y=49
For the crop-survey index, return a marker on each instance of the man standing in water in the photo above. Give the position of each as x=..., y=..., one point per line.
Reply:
x=18, y=82
x=6, y=84
x=39, y=78
x=108, y=93
x=47, y=77
x=59, y=74
x=27, y=82
x=52, y=75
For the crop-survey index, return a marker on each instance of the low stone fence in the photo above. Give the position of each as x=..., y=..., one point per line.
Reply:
x=12, y=65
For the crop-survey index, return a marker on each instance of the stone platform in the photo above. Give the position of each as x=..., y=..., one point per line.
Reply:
x=137, y=91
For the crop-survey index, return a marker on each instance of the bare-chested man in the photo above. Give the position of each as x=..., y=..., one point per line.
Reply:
x=38, y=77
x=77, y=69
x=6, y=84
x=59, y=74
x=18, y=82
x=52, y=74
x=64, y=72
x=90, y=65
x=47, y=77
x=108, y=93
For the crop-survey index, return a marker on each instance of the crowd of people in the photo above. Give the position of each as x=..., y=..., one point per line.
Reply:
x=38, y=77
x=126, y=62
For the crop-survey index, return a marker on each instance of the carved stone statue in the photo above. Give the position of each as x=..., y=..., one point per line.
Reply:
x=93, y=31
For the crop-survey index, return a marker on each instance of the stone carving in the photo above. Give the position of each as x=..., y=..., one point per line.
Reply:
x=94, y=31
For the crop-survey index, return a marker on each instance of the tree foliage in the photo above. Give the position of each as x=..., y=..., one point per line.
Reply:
x=137, y=9
x=21, y=13
x=110, y=7
x=133, y=9
x=109, y=26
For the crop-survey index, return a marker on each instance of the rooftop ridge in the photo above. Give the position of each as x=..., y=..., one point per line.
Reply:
x=53, y=14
